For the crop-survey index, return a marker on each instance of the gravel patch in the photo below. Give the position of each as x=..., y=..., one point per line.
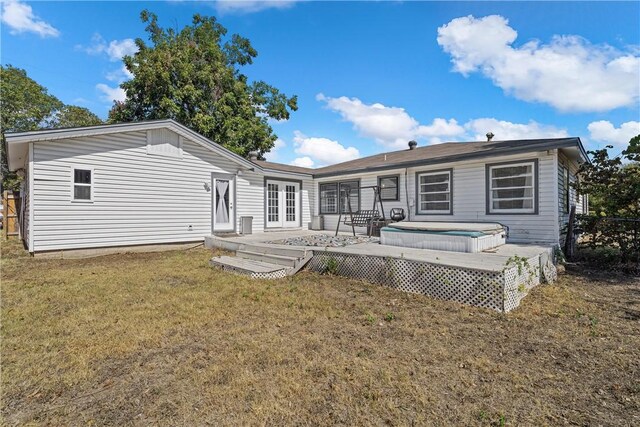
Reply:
x=325, y=240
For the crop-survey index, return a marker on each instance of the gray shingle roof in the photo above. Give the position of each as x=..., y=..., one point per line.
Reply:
x=431, y=154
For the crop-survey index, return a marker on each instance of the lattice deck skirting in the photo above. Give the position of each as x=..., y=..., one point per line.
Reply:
x=498, y=290
x=278, y=274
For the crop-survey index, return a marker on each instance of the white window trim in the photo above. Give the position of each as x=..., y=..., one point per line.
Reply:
x=419, y=210
x=533, y=198
x=73, y=184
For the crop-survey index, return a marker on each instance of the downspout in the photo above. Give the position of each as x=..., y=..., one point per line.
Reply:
x=406, y=191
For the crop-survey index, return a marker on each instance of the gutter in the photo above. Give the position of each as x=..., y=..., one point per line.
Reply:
x=455, y=158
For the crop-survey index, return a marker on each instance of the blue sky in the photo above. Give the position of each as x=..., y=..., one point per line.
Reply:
x=372, y=75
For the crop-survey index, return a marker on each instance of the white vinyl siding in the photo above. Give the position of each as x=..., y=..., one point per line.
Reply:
x=469, y=196
x=164, y=142
x=137, y=198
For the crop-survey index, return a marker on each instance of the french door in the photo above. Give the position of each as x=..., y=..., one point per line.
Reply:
x=223, y=209
x=283, y=204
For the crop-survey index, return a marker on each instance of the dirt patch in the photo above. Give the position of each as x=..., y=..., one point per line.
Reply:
x=162, y=338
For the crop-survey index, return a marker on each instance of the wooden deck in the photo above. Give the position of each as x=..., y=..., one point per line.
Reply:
x=494, y=260
x=496, y=279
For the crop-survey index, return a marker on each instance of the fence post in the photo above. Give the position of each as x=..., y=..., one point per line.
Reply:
x=569, y=241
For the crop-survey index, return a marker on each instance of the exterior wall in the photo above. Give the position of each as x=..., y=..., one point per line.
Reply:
x=138, y=198
x=366, y=195
x=469, y=196
x=579, y=201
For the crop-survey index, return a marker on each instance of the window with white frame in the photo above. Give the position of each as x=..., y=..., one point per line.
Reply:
x=434, y=193
x=512, y=188
x=82, y=182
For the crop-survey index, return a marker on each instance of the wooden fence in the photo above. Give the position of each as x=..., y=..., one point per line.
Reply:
x=10, y=214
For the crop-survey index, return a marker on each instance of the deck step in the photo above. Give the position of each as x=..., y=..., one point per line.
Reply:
x=284, y=250
x=250, y=267
x=270, y=258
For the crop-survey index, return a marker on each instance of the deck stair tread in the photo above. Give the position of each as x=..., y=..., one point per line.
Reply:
x=271, y=249
x=288, y=261
x=247, y=264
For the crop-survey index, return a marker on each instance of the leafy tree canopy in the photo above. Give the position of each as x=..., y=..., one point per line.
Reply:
x=193, y=76
x=73, y=116
x=613, y=183
x=26, y=105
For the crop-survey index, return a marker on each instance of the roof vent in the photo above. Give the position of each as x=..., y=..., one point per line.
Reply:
x=253, y=156
x=412, y=145
x=490, y=135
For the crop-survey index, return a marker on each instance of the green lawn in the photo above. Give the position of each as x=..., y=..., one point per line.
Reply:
x=162, y=338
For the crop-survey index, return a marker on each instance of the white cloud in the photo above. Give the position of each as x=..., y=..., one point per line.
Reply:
x=249, y=6
x=605, y=131
x=393, y=127
x=303, y=162
x=323, y=150
x=273, y=155
x=119, y=75
x=389, y=126
x=110, y=94
x=21, y=19
x=115, y=49
x=504, y=130
x=118, y=49
x=569, y=73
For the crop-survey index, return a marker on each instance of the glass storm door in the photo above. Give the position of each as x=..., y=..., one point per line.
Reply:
x=223, y=204
x=283, y=201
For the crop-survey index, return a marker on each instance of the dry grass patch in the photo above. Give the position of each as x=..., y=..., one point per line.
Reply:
x=140, y=339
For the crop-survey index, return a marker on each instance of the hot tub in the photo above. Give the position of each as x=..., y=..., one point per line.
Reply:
x=444, y=236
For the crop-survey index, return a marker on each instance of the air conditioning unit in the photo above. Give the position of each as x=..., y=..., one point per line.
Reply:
x=317, y=223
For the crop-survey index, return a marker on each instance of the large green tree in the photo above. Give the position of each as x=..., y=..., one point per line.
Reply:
x=194, y=77
x=70, y=116
x=613, y=183
x=26, y=105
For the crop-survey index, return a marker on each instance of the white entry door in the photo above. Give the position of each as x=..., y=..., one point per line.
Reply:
x=224, y=216
x=283, y=204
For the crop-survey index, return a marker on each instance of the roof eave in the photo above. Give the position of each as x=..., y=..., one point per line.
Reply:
x=19, y=138
x=569, y=142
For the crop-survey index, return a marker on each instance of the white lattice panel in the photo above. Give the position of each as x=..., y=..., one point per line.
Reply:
x=520, y=279
x=474, y=287
x=278, y=274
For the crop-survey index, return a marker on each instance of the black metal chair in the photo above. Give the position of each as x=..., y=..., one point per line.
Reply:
x=397, y=214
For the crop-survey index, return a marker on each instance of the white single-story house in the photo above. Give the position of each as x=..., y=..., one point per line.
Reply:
x=158, y=182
